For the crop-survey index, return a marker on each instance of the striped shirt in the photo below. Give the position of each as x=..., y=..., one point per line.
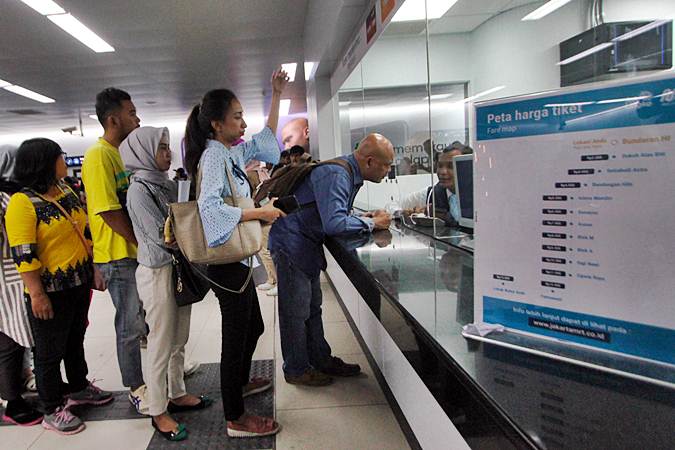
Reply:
x=13, y=314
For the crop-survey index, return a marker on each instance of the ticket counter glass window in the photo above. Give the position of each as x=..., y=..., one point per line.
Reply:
x=418, y=82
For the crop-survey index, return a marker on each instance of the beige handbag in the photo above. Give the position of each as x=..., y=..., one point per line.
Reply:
x=246, y=239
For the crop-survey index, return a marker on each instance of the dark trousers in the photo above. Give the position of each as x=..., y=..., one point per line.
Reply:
x=60, y=339
x=242, y=325
x=11, y=368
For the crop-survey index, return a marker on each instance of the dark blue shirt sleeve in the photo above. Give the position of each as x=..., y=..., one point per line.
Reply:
x=332, y=190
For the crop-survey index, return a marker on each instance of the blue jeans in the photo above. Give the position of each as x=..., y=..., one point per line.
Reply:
x=120, y=276
x=303, y=344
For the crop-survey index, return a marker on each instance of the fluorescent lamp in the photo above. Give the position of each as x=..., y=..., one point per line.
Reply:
x=4, y=83
x=621, y=100
x=545, y=9
x=309, y=69
x=415, y=10
x=284, y=106
x=585, y=53
x=642, y=29
x=93, y=116
x=290, y=70
x=79, y=31
x=555, y=105
x=28, y=93
x=345, y=103
x=438, y=96
x=44, y=7
x=480, y=94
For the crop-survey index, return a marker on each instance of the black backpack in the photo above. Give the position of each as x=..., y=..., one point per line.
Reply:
x=286, y=179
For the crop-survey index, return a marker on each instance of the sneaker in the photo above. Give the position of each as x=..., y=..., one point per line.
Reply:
x=338, y=368
x=62, y=421
x=265, y=286
x=138, y=400
x=255, y=386
x=19, y=412
x=91, y=395
x=273, y=292
x=311, y=377
x=190, y=368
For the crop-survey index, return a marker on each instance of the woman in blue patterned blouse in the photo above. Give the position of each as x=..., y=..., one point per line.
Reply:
x=212, y=129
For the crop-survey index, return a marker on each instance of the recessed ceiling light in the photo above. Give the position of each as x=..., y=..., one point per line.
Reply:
x=290, y=70
x=44, y=7
x=563, y=105
x=481, y=94
x=309, y=69
x=284, y=106
x=28, y=93
x=79, y=31
x=545, y=9
x=415, y=10
x=439, y=96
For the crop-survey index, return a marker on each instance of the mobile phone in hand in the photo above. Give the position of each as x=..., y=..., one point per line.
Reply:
x=288, y=204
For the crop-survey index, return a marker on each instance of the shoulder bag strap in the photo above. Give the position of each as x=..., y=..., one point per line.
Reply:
x=72, y=221
x=195, y=268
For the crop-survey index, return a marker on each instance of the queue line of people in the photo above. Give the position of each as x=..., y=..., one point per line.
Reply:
x=62, y=252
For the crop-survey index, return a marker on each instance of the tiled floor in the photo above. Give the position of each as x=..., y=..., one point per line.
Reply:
x=350, y=414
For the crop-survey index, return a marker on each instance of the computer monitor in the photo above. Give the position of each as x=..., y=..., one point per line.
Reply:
x=463, y=167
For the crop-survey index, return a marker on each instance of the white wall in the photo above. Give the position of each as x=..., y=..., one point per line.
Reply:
x=522, y=56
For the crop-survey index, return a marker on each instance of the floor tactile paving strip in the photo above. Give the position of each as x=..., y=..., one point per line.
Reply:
x=206, y=428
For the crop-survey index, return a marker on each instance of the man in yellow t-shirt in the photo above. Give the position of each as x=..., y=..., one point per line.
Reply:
x=106, y=183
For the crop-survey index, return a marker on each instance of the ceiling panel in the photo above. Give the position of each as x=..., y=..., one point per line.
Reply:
x=168, y=52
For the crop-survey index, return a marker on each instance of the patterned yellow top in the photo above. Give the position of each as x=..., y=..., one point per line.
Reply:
x=41, y=238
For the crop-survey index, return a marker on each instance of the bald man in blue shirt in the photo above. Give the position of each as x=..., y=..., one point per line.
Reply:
x=296, y=243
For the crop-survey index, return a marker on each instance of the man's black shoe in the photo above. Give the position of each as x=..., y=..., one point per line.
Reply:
x=338, y=368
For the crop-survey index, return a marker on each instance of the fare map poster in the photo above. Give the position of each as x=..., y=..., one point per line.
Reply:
x=575, y=216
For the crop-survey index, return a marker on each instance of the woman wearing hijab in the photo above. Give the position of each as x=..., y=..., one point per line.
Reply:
x=51, y=247
x=146, y=154
x=15, y=334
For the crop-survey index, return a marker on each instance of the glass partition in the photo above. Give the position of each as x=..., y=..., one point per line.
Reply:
x=419, y=80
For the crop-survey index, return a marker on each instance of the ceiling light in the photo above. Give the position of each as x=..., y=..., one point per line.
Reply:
x=415, y=10
x=44, y=7
x=563, y=105
x=585, y=53
x=93, y=116
x=480, y=94
x=545, y=9
x=284, y=107
x=4, y=83
x=79, y=31
x=439, y=96
x=642, y=29
x=622, y=100
x=28, y=93
x=309, y=69
x=290, y=70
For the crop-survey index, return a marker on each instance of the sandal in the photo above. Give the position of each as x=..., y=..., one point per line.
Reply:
x=261, y=426
x=204, y=402
x=255, y=386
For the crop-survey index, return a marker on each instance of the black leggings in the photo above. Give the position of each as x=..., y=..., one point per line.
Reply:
x=60, y=339
x=242, y=325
